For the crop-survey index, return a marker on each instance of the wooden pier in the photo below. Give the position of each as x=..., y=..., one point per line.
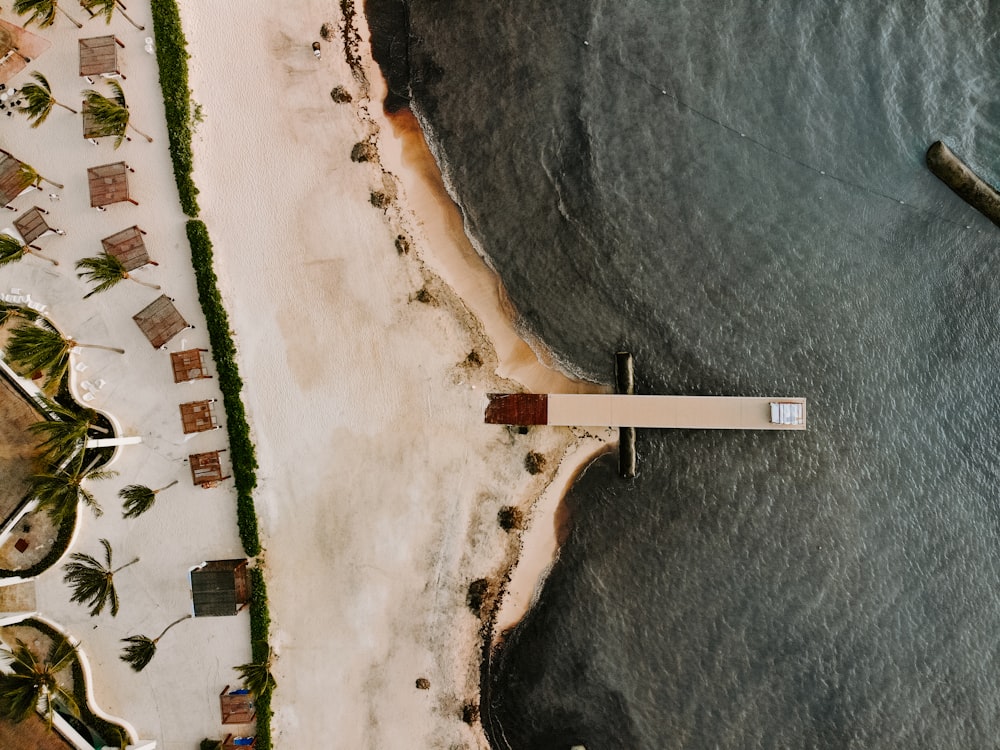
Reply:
x=629, y=410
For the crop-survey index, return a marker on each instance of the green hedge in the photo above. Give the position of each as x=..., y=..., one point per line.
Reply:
x=109, y=731
x=171, y=57
x=260, y=631
x=243, y=456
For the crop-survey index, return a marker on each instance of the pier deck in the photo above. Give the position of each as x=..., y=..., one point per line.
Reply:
x=623, y=410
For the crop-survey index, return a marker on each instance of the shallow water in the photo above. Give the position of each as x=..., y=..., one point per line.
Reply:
x=735, y=192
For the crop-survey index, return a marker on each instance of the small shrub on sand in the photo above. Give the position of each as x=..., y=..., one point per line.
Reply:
x=327, y=31
x=510, y=518
x=534, y=463
x=402, y=245
x=380, y=199
x=470, y=713
x=476, y=596
x=423, y=683
x=341, y=96
x=423, y=296
x=364, y=151
x=207, y=744
x=474, y=360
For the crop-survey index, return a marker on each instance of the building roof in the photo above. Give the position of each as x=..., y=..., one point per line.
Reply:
x=108, y=184
x=99, y=55
x=188, y=365
x=128, y=247
x=206, y=468
x=31, y=734
x=31, y=225
x=197, y=416
x=219, y=588
x=160, y=321
x=12, y=180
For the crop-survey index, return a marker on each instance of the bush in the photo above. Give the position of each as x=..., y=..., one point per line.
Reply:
x=364, y=151
x=340, y=95
x=476, y=596
x=207, y=744
x=380, y=199
x=510, y=518
x=534, y=463
x=171, y=58
x=244, y=457
x=470, y=713
x=260, y=632
x=402, y=244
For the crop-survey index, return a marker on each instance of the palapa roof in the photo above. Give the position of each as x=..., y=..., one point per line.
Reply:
x=237, y=706
x=12, y=179
x=188, y=365
x=99, y=55
x=31, y=734
x=197, y=416
x=206, y=468
x=220, y=588
x=31, y=225
x=108, y=184
x=128, y=247
x=160, y=321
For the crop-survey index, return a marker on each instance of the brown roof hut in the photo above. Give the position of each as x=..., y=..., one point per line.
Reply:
x=31, y=225
x=13, y=181
x=198, y=416
x=128, y=247
x=237, y=706
x=109, y=184
x=206, y=468
x=220, y=588
x=189, y=365
x=18, y=47
x=160, y=321
x=99, y=56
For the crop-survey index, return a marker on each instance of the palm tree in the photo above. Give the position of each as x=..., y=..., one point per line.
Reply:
x=110, y=116
x=138, y=499
x=34, y=347
x=257, y=676
x=93, y=582
x=32, y=683
x=31, y=177
x=66, y=433
x=43, y=11
x=12, y=250
x=60, y=490
x=107, y=9
x=141, y=649
x=106, y=270
x=39, y=100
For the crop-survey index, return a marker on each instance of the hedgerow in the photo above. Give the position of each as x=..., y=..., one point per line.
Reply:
x=260, y=627
x=243, y=456
x=171, y=58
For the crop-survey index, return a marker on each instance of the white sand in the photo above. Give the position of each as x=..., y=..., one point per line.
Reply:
x=379, y=484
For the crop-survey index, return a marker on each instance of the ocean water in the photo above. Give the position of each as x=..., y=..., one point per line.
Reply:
x=735, y=192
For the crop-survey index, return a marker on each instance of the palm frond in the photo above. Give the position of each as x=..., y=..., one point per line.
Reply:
x=38, y=100
x=65, y=433
x=109, y=116
x=139, y=652
x=104, y=269
x=137, y=499
x=92, y=582
x=42, y=11
x=11, y=249
x=34, y=347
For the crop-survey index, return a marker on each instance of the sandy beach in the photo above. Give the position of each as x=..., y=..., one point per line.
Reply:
x=380, y=485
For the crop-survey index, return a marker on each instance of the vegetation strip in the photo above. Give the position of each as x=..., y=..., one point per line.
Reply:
x=224, y=352
x=171, y=59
